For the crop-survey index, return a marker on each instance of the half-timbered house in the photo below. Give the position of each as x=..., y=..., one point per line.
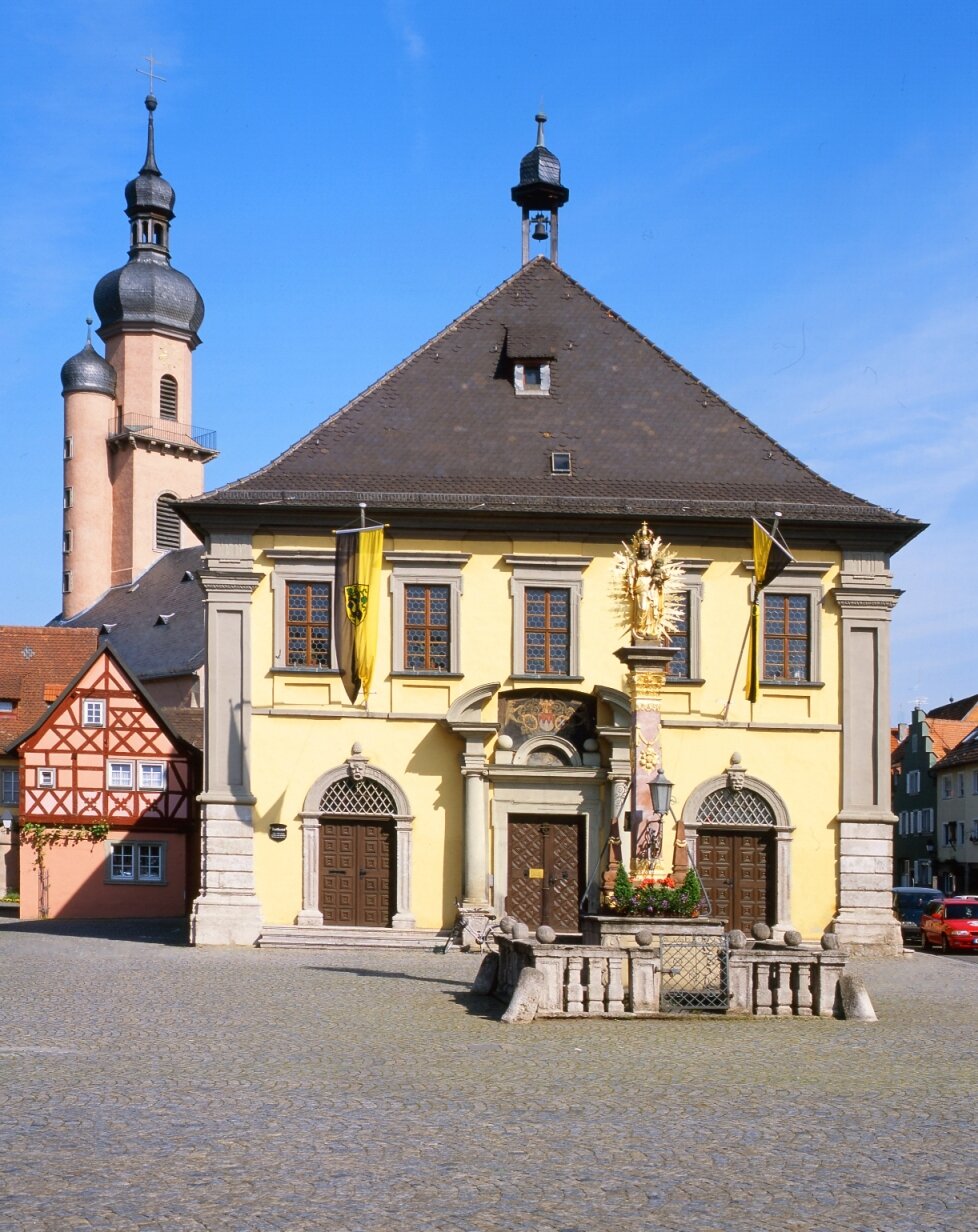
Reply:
x=111, y=786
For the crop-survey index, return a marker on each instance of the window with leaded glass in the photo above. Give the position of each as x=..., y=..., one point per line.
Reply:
x=122, y=862
x=787, y=637
x=427, y=633
x=679, y=640
x=546, y=630
x=308, y=630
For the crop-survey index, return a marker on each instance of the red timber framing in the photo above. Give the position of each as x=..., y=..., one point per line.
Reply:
x=103, y=754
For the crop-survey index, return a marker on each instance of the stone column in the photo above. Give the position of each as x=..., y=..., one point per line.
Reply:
x=228, y=911
x=404, y=831
x=475, y=823
x=310, y=915
x=647, y=665
x=866, y=601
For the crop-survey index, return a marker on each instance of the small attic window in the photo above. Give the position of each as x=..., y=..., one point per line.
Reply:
x=531, y=377
x=6, y=705
x=560, y=463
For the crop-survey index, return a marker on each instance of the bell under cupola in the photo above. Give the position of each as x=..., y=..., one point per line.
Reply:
x=130, y=445
x=540, y=195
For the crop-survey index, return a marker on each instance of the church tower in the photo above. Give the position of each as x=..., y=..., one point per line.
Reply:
x=130, y=447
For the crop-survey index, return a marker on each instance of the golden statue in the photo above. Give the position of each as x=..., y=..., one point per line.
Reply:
x=648, y=587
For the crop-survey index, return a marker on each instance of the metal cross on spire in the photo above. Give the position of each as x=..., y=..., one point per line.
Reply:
x=152, y=74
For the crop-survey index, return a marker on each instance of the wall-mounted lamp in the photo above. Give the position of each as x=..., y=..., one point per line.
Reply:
x=278, y=831
x=7, y=821
x=661, y=788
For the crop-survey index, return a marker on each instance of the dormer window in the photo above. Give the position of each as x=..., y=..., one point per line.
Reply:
x=531, y=377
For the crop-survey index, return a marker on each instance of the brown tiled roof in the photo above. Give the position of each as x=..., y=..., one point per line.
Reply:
x=38, y=658
x=445, y=430
x=946, y=734
x=186, y=722
x=963, y=753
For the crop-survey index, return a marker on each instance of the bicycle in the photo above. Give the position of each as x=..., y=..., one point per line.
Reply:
x=463, y=930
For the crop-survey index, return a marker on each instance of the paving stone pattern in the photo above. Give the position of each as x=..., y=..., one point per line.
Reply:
x=149, y=1086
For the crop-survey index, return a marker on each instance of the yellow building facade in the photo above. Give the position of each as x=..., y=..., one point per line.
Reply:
x=508, y=459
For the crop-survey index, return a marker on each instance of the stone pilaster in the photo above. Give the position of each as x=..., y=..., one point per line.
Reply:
x=475, y=822
x=866, y=601
x=227, y=911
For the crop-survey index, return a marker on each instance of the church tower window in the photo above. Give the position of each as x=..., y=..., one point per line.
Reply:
x=168, y=397
x=167, y=522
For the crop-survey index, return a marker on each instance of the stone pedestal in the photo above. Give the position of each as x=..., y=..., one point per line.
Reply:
x=648, y=665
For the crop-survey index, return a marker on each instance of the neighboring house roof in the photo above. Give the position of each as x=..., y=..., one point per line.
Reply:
x=963, y=753
x=445, y=430
x=945, y=734
x=156, y=624
x=965, y=708
x=163, y=716
x=36, y=665
x=185, y=722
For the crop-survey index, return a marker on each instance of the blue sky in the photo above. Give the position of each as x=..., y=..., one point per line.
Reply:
x=782, y=195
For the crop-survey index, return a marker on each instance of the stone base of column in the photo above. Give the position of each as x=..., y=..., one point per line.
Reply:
x=310, y=919
x=220, y=920
x=403, y=920
x=868, y=930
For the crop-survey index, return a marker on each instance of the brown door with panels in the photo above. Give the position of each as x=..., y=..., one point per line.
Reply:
x=545, y=872
x=735, y=869
x=355, y=874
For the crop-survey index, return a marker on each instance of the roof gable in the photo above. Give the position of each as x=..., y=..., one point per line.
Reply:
x=34, y=663
x=446, y=428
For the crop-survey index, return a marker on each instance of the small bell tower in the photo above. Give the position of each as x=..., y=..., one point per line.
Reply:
x=540, y=195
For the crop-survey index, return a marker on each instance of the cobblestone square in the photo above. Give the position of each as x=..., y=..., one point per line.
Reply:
x=147, y=1085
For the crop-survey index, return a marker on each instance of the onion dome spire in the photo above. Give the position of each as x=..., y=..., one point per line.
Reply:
x=88, y=372
x=540, y=189
x=148, y=292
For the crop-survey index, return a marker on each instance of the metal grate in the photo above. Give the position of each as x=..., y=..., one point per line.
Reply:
x=694, y=975
x=358, y=797
x=735, y=808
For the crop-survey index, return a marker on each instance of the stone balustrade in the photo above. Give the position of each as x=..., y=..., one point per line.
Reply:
x=612, y=981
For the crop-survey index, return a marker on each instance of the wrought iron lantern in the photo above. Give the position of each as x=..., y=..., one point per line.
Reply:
x=661, y=788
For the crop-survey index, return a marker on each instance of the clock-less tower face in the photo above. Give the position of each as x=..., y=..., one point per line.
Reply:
x=131, y=447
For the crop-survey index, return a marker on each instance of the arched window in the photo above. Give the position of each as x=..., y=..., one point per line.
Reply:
x=167, y=522
x=168, y=397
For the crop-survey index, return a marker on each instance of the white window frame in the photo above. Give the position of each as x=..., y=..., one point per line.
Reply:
x=426, y=569
x=974, y=782
x=927, y=817
x=960, y=784
x=947, y=787
x=801, y=578
x=47, y=776
x=519, y=378
x=290, y=565
x=136, y=850
x=550, y=572
x=913, y=782
x=114, y=768
x=93, y=712
x=141, y=771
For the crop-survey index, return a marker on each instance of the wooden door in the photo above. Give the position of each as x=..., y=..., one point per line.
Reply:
x=355, y=874
x=736, y=871
x=545, y=872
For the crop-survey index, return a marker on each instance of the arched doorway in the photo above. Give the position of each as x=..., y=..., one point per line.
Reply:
x=357, y=833
x=739, y=836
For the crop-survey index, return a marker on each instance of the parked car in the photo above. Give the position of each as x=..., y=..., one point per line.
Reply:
x=908, y=905
x=952, y=924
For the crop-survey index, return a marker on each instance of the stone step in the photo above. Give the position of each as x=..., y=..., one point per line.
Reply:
x=280, y=936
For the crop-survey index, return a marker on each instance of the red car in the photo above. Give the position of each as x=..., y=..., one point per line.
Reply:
x=952, y=924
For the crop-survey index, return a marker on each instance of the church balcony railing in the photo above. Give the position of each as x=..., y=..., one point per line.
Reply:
x=167, y=432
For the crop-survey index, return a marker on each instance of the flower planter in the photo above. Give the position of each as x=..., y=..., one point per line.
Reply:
x=619, y=931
